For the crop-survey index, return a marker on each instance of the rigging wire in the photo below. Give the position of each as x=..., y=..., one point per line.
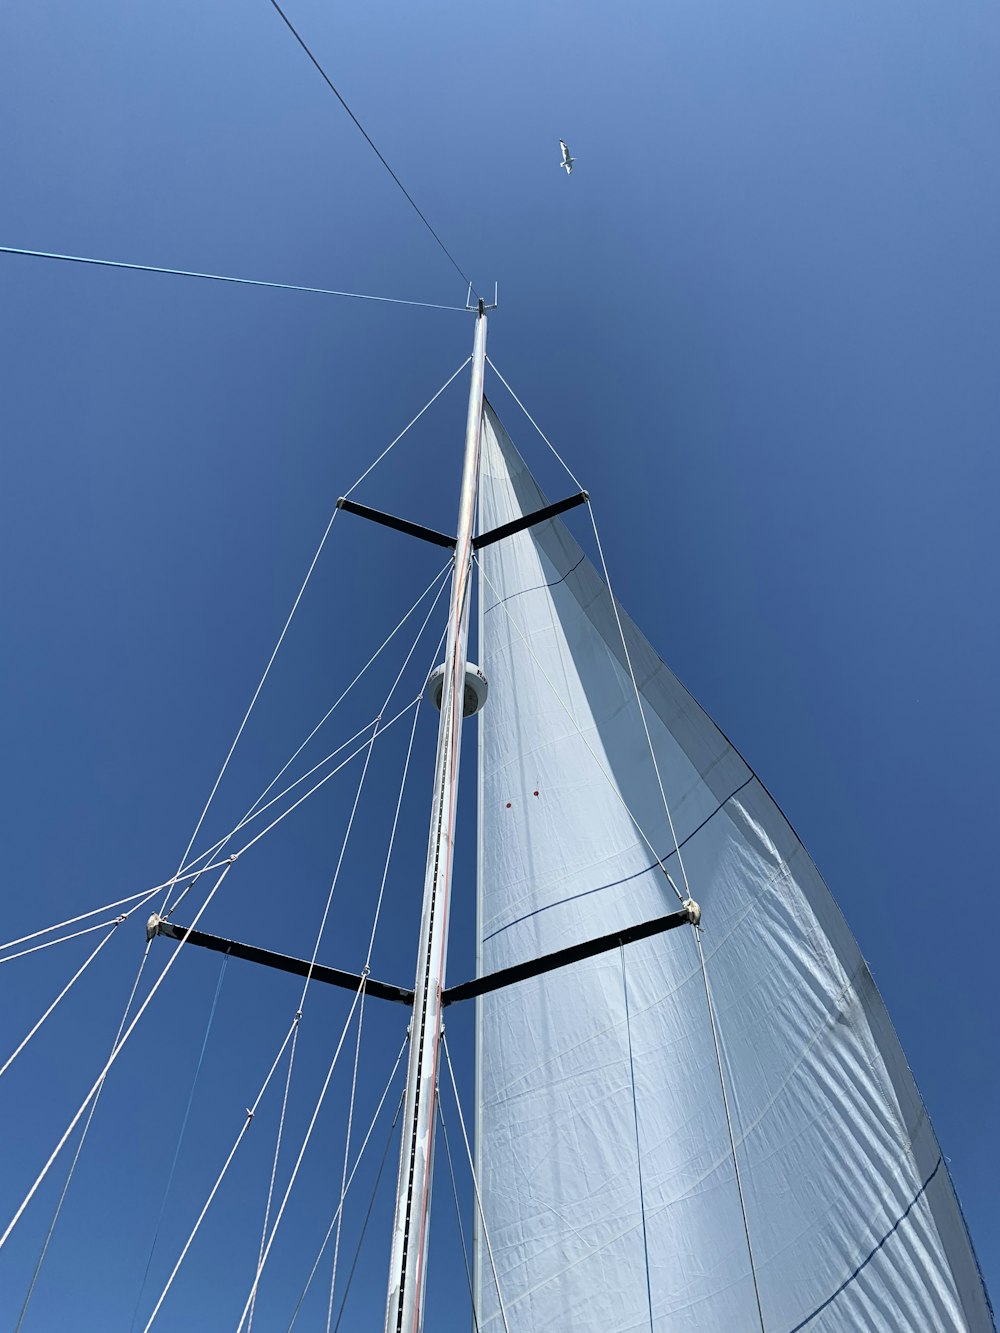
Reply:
x=559, y=458
x=729, y=1125
x=62, y=939
x=216, y=865
x=250, y=1113
x=65, y=990
x=329, y=83
x=368, y=1214
x=347, y=1154
x=79, y=1146
x=578, y=731
x=71, y=921
x=475, y=1183
x=350, y=823
x=642, y=711
x=458, y=1211
x=430, y=403
x=256, y=807
x=368, y=958
x=249, y=818
x=284, y=631
x=180, y=1138
x=221, y=277
x=371, y=942
x=116, y=1051
x=256, y=696
x=357, y=1163
x=298, y=1160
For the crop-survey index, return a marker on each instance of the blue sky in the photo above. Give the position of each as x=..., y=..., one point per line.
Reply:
x=760, y=322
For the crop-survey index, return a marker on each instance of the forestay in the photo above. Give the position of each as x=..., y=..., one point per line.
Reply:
x=604, y=1157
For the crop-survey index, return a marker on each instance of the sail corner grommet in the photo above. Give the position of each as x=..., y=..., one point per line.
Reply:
x=693, y=911
x=153, y=926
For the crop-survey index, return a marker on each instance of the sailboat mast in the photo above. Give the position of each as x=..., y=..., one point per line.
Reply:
x=408, y=1270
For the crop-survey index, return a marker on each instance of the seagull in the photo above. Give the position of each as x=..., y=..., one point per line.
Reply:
x=567, y=161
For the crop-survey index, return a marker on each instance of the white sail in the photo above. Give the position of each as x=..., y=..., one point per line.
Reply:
x=604, y=1153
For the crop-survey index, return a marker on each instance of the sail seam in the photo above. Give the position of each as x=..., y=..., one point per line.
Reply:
x=579, y=730
x=539, y=587
x=657, y=864
x=868, y=1258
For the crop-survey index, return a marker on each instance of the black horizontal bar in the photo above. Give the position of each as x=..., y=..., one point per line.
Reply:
x=333, y=976
x=400, y=524
x=468, y=990
x=529, y=520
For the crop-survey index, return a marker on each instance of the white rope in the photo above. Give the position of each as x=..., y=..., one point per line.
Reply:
x=277, y=1153
x=638, y=699
x=475, y=1184
x=65, y=990
x=578, y=731
x=251, y=1111
x=537, y=427
x=371, y=467
x=71, y=921
x=729, y=1125
x=116, y=1051
x=357, y=1163
x=298, y=1161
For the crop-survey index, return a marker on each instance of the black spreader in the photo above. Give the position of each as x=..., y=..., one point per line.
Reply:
x=468, y=990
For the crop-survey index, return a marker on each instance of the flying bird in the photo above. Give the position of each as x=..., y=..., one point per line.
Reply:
x=567, y=161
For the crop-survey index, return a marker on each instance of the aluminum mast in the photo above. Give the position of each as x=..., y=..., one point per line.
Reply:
x=408, y=1270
